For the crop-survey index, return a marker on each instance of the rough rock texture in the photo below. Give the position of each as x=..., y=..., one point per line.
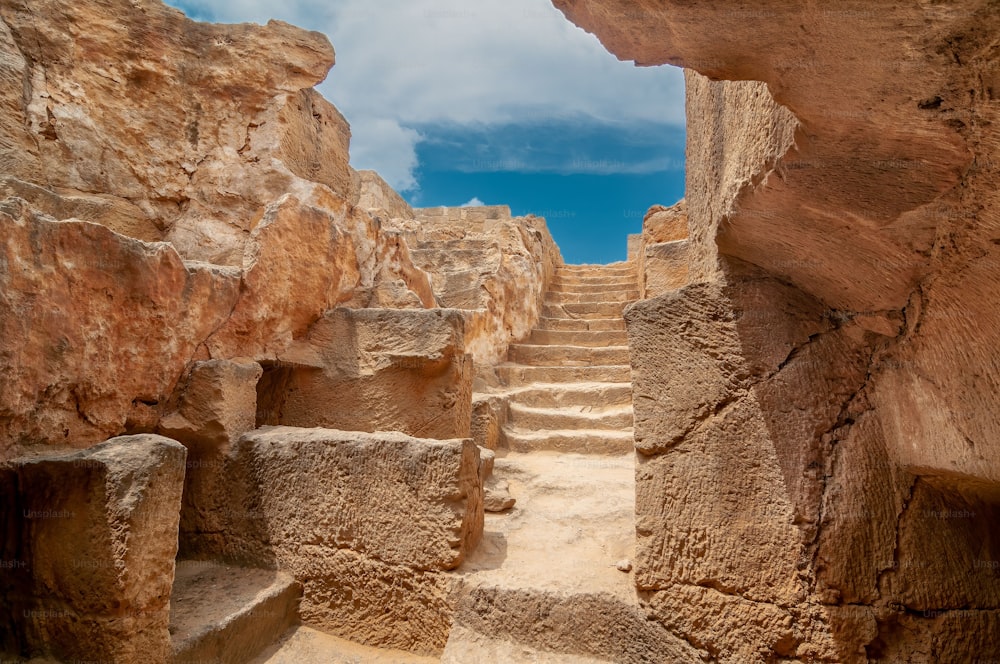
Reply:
x=382, y=200
x=366, y=522
x=482, y=259
x=95, y=89
x=216, y=406
x=227, y=615
x=840, y=390
x=89, y=309
x=375, y=370
x=88, y=551
x=124, y=126
x=310, y=251
x=662, y=252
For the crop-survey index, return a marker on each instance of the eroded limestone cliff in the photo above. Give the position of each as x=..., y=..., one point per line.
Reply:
x=186, y=252
x=817, y=408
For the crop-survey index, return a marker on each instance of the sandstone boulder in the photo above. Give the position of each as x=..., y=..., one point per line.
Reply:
x=666, y=224
x=217, y=404
x=94, y=538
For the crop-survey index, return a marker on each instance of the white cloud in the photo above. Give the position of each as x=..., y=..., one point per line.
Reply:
x=383, y=145
x=406, y=63
x=475, y=202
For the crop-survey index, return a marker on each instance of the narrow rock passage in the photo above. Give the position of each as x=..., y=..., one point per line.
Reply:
x=551, y=580
x=545, y=584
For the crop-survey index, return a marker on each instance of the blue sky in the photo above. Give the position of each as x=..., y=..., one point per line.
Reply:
x=499, y=102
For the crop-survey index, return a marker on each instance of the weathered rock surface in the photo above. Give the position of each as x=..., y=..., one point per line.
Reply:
x=366, y=522
x=319, y=253
x=105, y=326
x=228, y=615
x=209, y=137
x=228, y=111
x=839, y=396
x=375, y=370
x=216, y=406
x=380, y=199
x=89, y=551
x=483, y=260
x=663, y=251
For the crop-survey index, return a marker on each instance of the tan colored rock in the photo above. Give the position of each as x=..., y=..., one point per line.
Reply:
x=381, y=199
x=366, y=522
x=370, y=602
x=665, y=267
x=218, y=404
x=431, y=504
x=208, y=136
x=297, y=248
x=731, y=491
x=666, y=224
x=496, y=495
x=663, y=253
x=106, y=326
x=226, y=614
x=482, y=259
x=489, y=415
x=118, y=214
x=376, y=370
x=94, y=538
x=856, y=166
x=226, y=109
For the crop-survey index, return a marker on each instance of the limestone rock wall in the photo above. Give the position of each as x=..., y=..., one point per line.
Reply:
x=196, y=126
x=169, y=185
x=483, y=260
x=815, y=409
x=375, y=370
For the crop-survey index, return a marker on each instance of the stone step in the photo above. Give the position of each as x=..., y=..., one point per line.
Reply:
x=519, y=374
x=627, y=269
x=225, y=614
x=596, y=338
x=589, y=310
x=565, y=356
x=569, y=395
x=594, y=279
x=559, y=297
x=576, y=441
x=543, y=585
x=515, y=626
x=577, y=282
x=467, y=645
x=570, y=286
x=304, y=645
x=561, y=323
x=611, y=418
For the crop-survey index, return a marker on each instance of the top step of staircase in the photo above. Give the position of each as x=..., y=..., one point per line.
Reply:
x=602, y=286
x=596, y=267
